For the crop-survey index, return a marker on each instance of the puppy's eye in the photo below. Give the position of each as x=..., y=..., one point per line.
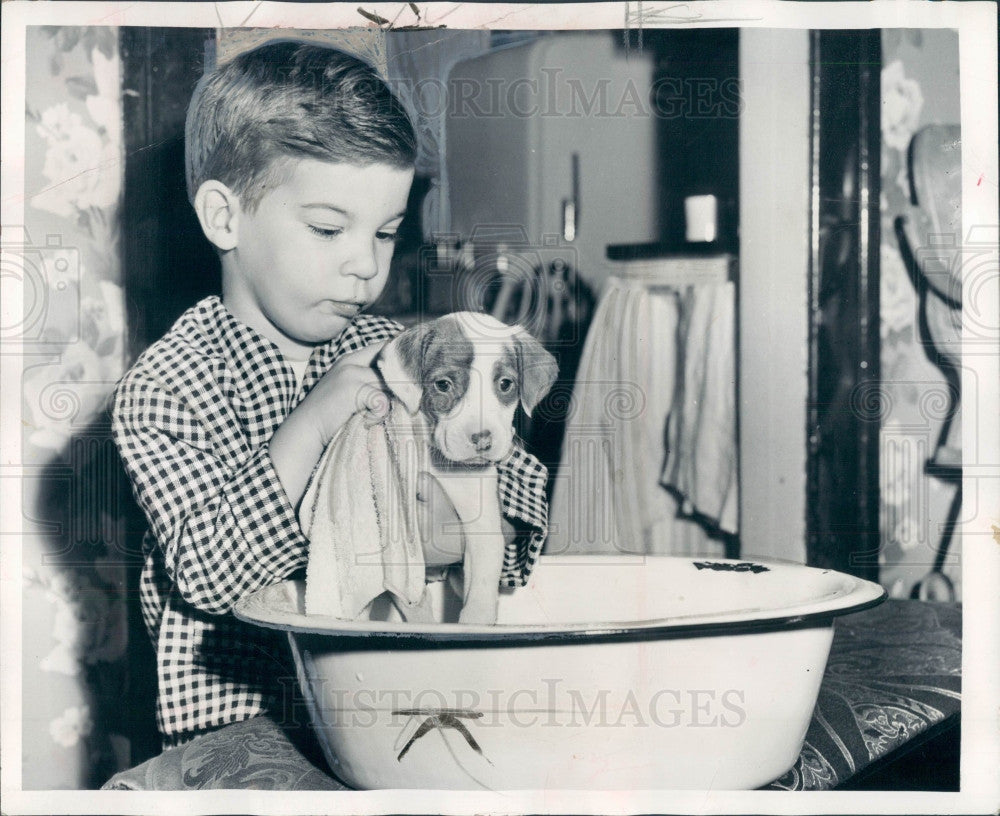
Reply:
x=442, y=386
x=505, y=385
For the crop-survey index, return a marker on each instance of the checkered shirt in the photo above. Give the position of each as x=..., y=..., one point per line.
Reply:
x=192, y=420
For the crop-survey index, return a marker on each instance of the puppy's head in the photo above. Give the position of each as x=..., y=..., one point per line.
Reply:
x=467, y=372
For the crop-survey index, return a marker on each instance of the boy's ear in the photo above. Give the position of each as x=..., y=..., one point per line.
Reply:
x=400, y=364
x=218, y=210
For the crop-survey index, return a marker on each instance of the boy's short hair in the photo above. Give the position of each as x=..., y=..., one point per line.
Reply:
x=288, y=99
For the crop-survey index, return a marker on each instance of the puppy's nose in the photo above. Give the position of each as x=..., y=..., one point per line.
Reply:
x=482, y=441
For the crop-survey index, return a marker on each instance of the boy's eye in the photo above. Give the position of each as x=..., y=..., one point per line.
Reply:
x=442, y=386
x=505, y=384
x=325, y=232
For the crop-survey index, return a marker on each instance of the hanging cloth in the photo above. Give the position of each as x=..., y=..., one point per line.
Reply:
x=608, y=497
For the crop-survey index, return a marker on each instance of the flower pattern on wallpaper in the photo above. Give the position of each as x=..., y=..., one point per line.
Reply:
x=83, y=156
x=73, y=581
x=72, y=725
x=915, y=393
x=902, y=101
x=82, y=174
x=62, y=394
x=898, y=303
x=90, y=626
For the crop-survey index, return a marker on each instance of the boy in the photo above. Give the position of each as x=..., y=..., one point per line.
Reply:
x=299, y=165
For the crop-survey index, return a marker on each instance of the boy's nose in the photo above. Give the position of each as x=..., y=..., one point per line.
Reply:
x=363, y=262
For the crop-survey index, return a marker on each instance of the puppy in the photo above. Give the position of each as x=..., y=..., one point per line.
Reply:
x=460, y=379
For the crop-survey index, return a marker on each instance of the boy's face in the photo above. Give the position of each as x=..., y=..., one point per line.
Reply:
x=315, y=251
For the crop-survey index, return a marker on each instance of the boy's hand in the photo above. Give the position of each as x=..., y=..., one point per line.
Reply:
x=351, y=385
x=440, y=527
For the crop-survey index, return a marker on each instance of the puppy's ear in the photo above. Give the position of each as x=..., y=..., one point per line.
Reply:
x=400, y=363
x=538, y=370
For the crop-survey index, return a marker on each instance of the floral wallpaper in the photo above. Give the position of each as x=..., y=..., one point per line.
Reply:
x=74, y=590
x=920, y=87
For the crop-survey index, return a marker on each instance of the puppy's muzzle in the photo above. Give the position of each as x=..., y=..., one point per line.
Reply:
x=482, y=441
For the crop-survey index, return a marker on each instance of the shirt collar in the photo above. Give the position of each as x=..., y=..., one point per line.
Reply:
x=258, y=364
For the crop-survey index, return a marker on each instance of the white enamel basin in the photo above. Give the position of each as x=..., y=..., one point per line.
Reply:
x=605, y=672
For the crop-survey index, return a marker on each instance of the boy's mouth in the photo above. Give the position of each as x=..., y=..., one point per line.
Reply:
x=345, y=308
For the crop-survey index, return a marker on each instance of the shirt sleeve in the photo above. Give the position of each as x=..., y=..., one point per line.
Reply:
x=224, y=529
x=522, y=488
x=522, y=482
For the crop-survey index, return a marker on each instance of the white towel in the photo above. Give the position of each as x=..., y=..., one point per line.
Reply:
x=359, y=515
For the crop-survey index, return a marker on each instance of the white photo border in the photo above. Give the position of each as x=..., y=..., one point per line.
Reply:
x=976, y=25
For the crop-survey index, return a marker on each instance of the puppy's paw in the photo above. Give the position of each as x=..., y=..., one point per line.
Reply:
x=420, y=612
x=479, y=614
